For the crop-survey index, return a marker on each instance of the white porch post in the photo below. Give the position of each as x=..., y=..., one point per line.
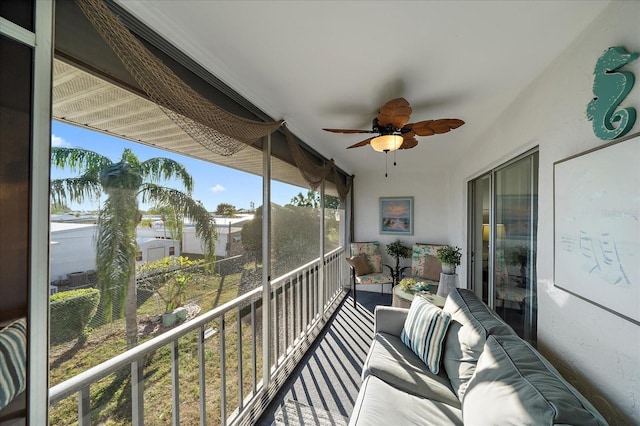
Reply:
x=266, y=262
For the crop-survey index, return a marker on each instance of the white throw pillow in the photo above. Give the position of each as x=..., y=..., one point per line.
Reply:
x=424, y=331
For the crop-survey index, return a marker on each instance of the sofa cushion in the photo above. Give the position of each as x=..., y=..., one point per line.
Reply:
x=472, y=321
x=424, y=331
x=360, y=264
x=523, y=388
x=13, y=361
x=392, y=361
x=380, y=403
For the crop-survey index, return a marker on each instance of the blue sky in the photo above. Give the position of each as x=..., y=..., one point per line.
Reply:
x=213, y=184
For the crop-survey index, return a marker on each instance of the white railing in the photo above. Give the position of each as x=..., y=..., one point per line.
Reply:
x=301, y=303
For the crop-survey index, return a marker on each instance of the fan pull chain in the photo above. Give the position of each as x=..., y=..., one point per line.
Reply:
x=394, y=157
x=386, y=152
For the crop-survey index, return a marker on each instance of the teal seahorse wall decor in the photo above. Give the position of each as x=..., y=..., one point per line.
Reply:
x=610, y=87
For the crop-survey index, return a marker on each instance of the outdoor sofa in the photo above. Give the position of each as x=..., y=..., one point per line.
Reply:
x=486, y=375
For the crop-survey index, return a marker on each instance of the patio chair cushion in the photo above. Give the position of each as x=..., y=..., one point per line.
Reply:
x=360, y=264
x=432, y=268
x=373, y=279
x=424, y=331
x=368, y=248
x=375, y=263
x=13, y=361
x=418, y=258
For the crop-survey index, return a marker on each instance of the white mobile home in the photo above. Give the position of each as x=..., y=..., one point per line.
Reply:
x=73, y=249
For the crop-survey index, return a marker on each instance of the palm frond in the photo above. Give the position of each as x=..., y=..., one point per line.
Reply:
x=162, y=169
x=79, y=160
x=190, y=208
x=75, y=190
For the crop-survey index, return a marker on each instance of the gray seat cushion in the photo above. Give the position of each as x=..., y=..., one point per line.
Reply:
x=393, y=362
x=515, y=385
x=472, y=322
x=379, y=403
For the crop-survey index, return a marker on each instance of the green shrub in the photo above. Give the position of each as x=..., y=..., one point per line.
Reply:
x=71, y=311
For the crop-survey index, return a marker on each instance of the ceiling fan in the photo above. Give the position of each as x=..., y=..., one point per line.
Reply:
x=394, y=130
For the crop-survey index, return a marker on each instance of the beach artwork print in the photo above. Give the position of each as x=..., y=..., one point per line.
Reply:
x=396, y=215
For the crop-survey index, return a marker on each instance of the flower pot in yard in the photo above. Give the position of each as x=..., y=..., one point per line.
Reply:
x=171, y=318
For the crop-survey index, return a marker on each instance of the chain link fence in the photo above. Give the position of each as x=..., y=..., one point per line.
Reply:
x=77, y=317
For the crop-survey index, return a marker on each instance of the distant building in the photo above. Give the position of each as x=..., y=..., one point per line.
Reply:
x=72, y=249
x=229, y=242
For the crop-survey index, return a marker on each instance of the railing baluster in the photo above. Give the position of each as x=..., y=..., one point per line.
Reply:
x=223, y=372
x=299, y=312
x=276, y=334
x=301, y=308
x=175, y=383
x=253, y=347
x=292, y=314
x=240, y=375
x=201, y=377
x=285, y=317
x=305, y=297
x=137, y=392
x=84, y=407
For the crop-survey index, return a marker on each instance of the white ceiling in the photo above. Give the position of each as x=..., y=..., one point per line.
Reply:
x=333, y=63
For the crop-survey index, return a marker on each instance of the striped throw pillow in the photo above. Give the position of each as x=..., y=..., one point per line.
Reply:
x=424, y=331
x=13, y=361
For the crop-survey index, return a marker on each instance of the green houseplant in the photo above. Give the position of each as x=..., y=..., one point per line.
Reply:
x=450, y=257
x=398, y=250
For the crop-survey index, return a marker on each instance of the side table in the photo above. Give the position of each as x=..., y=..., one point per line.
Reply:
x=447, y=282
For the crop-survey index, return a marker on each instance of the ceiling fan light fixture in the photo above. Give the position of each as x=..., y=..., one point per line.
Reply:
x=386, y=143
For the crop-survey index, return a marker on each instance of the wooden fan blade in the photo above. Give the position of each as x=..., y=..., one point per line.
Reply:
x=361, y=143
x=432, y=127
x=395, y=112
x=408, y=143
x=348, y=131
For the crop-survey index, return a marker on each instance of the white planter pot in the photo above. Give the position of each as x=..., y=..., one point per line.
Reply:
x=448, y=268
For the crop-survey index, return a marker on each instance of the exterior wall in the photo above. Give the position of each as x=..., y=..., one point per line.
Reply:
x=429, y=192
x=598, y=352
x=72, y=250
x=157, y=248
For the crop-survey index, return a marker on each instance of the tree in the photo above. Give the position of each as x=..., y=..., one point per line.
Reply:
x=312, y=199
x=295, y=236
x=226, y=210
x=125, y=183
x=60, y=208
x=172, y=220
x=251, y=237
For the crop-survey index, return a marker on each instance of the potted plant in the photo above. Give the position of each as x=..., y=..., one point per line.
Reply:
x=398, y=250
x=168, y=278
x=450, y=257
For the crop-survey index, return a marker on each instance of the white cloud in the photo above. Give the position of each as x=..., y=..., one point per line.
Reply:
x=217, y=188
x=57, y=141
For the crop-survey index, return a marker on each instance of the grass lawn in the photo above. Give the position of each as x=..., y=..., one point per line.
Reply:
x=110, y=397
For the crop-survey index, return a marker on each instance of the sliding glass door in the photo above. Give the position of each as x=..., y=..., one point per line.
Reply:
x=503, y=225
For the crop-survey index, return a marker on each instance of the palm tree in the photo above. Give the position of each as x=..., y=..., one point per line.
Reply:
x=125, y=183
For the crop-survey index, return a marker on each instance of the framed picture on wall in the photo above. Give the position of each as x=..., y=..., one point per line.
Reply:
x=396, y=215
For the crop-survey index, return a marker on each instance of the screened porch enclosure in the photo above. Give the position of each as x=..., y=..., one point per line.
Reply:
x=225, y=363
